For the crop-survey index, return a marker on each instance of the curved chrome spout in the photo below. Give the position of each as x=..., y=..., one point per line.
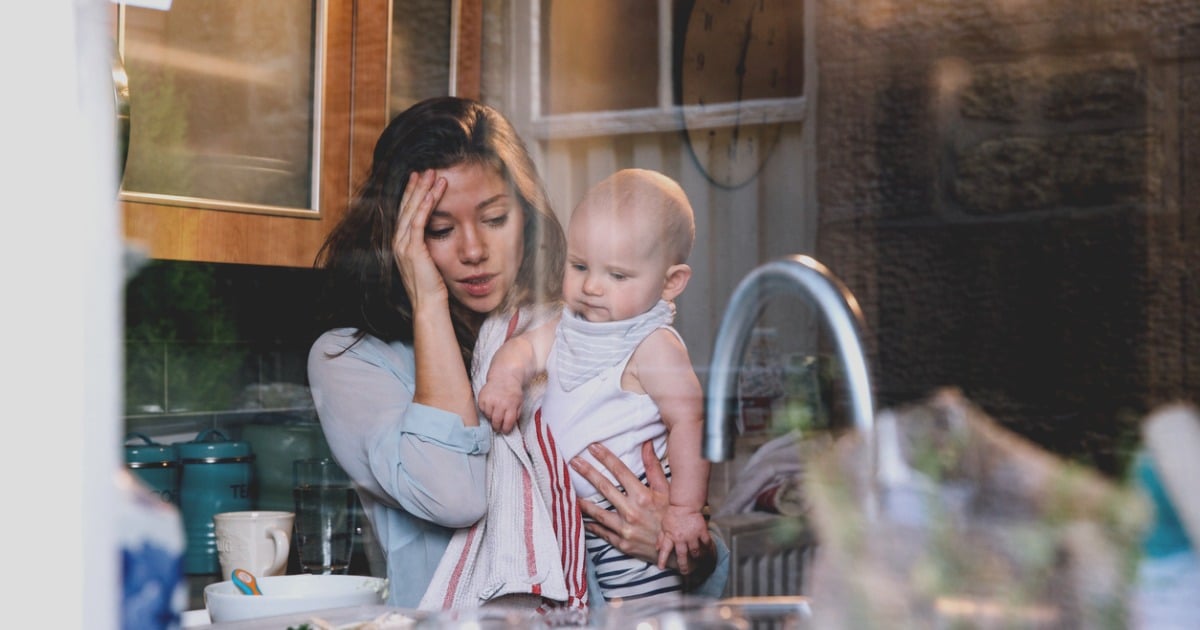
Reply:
x=792, y=274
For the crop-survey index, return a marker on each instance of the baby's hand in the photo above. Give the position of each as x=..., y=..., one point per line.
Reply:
x=685, y=532
x=501, y=404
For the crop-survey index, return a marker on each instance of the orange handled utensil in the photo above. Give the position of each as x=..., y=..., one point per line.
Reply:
x=245, y=582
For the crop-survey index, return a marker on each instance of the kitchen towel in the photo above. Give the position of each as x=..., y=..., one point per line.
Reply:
x=527, y=551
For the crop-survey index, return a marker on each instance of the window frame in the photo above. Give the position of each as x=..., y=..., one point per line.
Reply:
x=314, y=209
x=525, y=92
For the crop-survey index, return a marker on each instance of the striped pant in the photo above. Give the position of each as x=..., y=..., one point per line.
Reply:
x=623, y=577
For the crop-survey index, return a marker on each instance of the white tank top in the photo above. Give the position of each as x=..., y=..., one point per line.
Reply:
x=598, y=410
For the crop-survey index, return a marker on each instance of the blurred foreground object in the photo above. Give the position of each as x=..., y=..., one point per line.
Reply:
x=1172, y=439
x=153, y=590
x=967, y=525
x=772, y=480
x=1167, y=470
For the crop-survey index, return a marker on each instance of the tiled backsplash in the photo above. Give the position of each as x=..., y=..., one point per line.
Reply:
x=216, y=346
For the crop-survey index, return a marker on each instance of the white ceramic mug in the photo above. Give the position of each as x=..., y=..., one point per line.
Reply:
x=257, y=541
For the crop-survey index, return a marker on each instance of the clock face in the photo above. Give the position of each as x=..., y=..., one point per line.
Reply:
x=733, y=51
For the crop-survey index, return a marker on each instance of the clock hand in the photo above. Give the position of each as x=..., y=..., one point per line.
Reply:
x=740, y=69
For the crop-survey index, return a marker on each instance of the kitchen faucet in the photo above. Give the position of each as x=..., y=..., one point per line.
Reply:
x=797, y=275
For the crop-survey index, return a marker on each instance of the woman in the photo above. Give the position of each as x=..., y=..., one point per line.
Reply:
x=451, y=231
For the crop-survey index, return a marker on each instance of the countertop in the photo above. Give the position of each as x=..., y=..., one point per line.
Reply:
x=334, y=618
x=765, y=612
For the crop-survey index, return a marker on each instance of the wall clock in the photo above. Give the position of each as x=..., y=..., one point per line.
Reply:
x=733, y=51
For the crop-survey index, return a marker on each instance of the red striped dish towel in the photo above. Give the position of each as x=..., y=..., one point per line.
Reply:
x=527, y=551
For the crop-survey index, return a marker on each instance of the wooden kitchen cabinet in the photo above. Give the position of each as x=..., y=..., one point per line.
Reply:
x=353, y=110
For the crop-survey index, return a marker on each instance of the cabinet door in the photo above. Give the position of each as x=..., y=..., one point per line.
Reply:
x=240, y=148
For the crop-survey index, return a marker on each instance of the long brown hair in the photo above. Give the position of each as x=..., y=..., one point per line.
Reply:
x=364, y=290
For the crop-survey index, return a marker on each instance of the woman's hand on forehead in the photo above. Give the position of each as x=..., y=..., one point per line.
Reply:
x=417, y=269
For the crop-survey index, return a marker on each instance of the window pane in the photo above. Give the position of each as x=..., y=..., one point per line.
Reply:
x=599, y=55
x=420, y=52
x=221, y=100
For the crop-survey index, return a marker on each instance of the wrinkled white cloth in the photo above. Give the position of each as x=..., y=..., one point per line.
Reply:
x=527, y=551
x=778, y=463
x=600, y=410
x=584, y=349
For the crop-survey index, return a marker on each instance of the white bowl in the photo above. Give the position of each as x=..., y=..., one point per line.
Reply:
x=287, y=594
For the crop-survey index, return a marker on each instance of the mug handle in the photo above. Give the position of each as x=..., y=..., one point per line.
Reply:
x=282, y=546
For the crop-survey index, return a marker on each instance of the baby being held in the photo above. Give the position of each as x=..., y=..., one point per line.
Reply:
x=617, y=371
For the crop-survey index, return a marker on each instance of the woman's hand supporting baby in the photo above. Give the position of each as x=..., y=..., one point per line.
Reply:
x=635, y=525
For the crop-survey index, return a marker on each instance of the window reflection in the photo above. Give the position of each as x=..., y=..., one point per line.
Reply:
x=419, y=52
x=222, y=102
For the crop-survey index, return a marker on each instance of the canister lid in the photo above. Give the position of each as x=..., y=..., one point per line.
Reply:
x=211, y=446
x=149, y=451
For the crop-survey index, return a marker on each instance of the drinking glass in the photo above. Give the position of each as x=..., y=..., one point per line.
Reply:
x=324, y=530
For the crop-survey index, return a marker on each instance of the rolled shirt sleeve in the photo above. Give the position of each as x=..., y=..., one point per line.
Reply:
x=433, y=466
x=403, y=454
x=419, y=472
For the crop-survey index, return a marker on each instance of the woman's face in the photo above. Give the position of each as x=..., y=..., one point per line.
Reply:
x=476, y=236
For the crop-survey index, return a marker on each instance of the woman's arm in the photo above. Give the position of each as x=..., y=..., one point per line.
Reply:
x=401, y=419
x=634, y=525
x=402, y=453
x=442, y=379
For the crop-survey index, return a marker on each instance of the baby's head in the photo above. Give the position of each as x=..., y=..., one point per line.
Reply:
x=627, y=245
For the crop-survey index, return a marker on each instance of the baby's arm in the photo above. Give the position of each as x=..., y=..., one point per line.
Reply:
x=664, y=371
x=514, y=365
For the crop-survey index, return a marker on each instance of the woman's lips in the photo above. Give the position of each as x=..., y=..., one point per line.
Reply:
x=477, y=286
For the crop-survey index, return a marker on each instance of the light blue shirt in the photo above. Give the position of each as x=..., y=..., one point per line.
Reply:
x=419, y=471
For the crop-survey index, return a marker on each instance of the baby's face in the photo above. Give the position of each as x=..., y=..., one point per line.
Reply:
x=616, y=267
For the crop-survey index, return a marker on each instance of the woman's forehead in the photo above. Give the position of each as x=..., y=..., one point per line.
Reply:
x=471, y=188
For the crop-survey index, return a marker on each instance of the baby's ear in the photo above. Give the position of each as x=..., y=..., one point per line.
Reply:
x=677, y=279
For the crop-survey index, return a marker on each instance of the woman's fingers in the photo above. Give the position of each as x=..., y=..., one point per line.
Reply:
x=402, y=237
x=415, y=193
x=609, y=460
x=634, y=523
x=417, y=269
x=601, y=483
x=428, y=201
x=408, y=205
x=606, y=519
x=614, y=530
x=421, y=194
x=605, y=534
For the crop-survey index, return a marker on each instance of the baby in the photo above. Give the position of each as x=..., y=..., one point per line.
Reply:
x=617, y=372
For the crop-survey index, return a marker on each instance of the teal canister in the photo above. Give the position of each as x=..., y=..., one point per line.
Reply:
x=275, y=447
x=216, y=476
x=157, y=465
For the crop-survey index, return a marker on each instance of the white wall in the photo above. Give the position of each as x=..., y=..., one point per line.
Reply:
x=61, y=254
